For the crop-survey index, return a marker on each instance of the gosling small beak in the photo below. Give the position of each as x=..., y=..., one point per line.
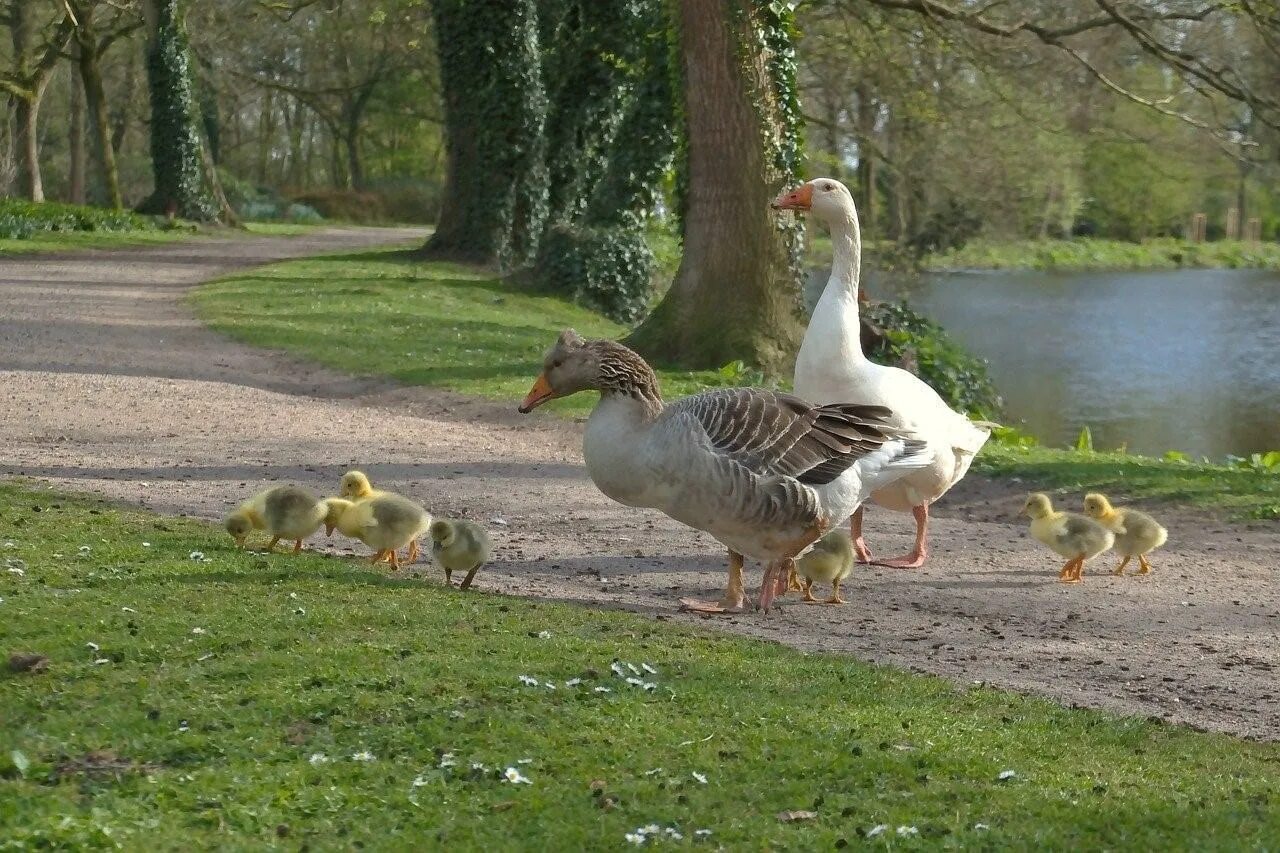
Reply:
x=800, y=198
x=540, y=393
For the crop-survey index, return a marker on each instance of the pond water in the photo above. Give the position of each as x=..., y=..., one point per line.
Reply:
x=1185, y=360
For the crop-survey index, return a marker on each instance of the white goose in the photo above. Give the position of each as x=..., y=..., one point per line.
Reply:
x=832, y=366
x=764, y=473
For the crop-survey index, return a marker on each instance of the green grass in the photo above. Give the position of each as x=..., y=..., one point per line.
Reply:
x=162, y=736
x=281, y=229
x=1242, y=492
x=1086, y=254
x=421, y=323
x=66, y=241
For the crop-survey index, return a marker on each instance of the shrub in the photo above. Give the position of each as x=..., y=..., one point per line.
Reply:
x=20, y=219
x=347, y=205
x=923, y=347
x=607, y=269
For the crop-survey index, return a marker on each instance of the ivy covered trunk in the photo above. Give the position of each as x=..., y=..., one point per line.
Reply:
x=495, y=107
x=736, y=294
x=611, y=138
x=176, y=147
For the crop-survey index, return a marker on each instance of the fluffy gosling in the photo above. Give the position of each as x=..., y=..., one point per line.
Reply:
x=461, y=546
x=1137, y=534
x=829, y=561
x=1068, y=534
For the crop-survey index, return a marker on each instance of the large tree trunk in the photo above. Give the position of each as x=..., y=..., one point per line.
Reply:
x=177, y=159
x=736, y=295
x=495, y=198
x=351, y=142
x=104, y=179
x=27, y=113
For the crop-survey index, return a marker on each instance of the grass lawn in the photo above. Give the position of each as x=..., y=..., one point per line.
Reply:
x=200, y=697
x=458, y=328
x=66, y=241
x=422, y=323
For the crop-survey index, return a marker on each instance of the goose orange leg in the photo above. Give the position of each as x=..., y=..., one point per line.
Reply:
x=270, y=549
x=855, y=532
x=920, y=552
x=735, y=594
x=1120, y=568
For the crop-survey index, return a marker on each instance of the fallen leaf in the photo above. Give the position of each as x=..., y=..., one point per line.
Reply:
x=792, y=817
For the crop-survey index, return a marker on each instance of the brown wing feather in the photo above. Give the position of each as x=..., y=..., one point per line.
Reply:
x=777, y=433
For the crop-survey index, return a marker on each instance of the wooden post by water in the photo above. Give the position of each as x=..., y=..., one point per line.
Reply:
x=1233, y=224
x=1198, y=223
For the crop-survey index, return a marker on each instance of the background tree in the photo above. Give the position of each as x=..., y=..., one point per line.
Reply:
x=37, y=33
x=735, y=295
x=177, y=150
x=495, y=106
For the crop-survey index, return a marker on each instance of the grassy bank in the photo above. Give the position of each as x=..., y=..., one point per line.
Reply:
x=1241, y=492
x=198, y=696
x=71, y=241
x=453, y=327
x=1089, y=255
x=421, y=323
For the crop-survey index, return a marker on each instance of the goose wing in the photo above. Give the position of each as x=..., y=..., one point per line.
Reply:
x=771, y=433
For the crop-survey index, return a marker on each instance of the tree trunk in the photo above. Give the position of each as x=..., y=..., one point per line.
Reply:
x=266, y=130
x=75, y=141
x=495, y=105
x=27, y=113
x=104, y=179
x=351, y=141
x=866, y=161
x=177, y=158
x=736, y=294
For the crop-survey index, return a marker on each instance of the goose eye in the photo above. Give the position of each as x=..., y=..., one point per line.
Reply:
x=828, y=187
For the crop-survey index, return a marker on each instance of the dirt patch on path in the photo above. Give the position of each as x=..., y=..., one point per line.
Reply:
x=112, y=387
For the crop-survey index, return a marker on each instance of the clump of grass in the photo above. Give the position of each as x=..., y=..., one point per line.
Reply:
x=198, y=696
x=1092, y=254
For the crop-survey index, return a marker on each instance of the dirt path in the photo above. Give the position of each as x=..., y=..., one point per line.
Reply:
x=111, y=386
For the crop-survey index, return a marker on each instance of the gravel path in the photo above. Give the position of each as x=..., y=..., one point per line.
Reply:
x=111, y=386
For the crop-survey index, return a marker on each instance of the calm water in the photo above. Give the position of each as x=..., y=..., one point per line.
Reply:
x=1186, y=360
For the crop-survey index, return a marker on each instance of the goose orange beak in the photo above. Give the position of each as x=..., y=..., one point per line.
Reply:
x=800, y=198
x=540, y=393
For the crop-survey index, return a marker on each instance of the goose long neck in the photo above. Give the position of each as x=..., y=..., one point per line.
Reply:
x=846, y=252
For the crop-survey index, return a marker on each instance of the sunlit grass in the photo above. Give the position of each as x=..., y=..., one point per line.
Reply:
x=200, y=697
x=421, y=323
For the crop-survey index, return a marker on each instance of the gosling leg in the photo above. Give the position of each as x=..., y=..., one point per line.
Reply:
x=1146, y=567
x=808, y=592
x=835, y=593
x=1120, y=568
x=297, y=546
x=270, y=549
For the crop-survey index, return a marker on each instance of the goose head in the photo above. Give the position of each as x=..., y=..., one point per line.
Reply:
x=1038, y=505
x=825, y=198
x=1096, y=505
x=574, y=364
